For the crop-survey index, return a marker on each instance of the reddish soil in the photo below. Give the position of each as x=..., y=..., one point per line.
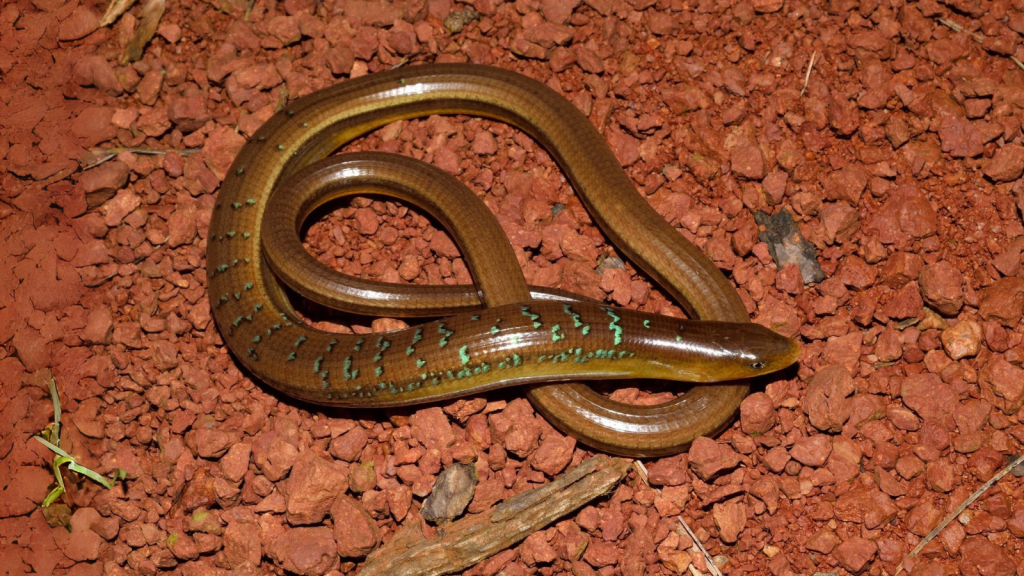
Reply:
x=901, y=161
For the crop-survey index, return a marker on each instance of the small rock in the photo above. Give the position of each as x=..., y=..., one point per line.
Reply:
x=855, y=553
x=827, y=403
x=847, y=185
x=941, y=288
x=105, y=179
x=1003, y=302
x=1007, y=165
x=432, y=428
x=222, y=146
x=906, y=303
x=823, y=541
x=811, y=450
x=927, y=395
x=709, y=458
x=349, y=445
x=452, y=492
x=669, y=471
x=84, y=546
x=188, y=112
x=306, y=551
x=962, y=340
x=865, y=505
x=313, y=486
x=182, y=546
x=748, y=162
x=355, y=531
x=553, y=454
x=121, y=205
x=99, y=327
x=1006, y=382
x=979, y=555
x=731, y=518
x=757, y=414
x=235, y=463
x=363, y=477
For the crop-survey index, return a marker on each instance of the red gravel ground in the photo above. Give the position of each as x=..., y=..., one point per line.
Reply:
x=901, y=161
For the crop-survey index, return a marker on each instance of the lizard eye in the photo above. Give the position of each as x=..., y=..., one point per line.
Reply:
x=757, y=365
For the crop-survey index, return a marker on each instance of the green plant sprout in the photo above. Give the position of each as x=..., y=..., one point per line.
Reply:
x=50, y=437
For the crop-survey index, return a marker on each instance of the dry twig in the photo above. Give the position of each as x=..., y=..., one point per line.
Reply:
x=697, y=545
x=958, y=28
x=114, y=11
x=970, y=500
x=470, y=540
x=102, y=155
x=807, y=77
x=152, y=11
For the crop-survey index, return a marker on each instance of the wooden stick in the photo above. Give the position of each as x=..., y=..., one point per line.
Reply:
x=470, y=540
x=807, y=78
x=970, y=500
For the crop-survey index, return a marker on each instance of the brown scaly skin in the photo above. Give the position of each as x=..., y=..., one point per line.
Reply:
x=469, y=352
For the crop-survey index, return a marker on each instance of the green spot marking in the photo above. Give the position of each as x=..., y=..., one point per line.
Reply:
x=316, y=363
x=236, y=205
x=257, y=308
x=231, y=234
x=237, y=321
x=379, y=371
x=516, y=360
x=420, y=362
x=474, y=317
x=291, y=356
x=331, y=344
x=280, y=146
x=348, y=368
x=647, y=323
x=250, y=201
x=576, y=322
x=586, y=329
x=256, y=339
x=556, y=333
x=222, y=268
x=358, y=344
x=246, y=235
x=239, y=171
x=417, y=336
x=614, y=324
x=532, y=316
x=383, y=345
x=464, y=354
x=445, y=334
x=300, y=340
x=679, y=338
x=248, y=286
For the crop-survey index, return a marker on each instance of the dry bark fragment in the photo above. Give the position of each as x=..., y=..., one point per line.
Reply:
x=468, y=541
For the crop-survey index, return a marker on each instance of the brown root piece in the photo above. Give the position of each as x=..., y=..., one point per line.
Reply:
x=114, y=11
x=470, y=540
x=152, y=11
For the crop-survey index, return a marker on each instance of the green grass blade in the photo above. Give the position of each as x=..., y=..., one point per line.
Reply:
x=91, y=474
x=56, y=405
x=53, y=447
